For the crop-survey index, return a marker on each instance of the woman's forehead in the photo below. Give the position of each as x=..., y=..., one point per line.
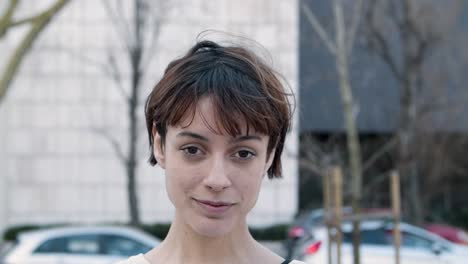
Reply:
x=225, y=138
x=214, y=126
x=205, y=116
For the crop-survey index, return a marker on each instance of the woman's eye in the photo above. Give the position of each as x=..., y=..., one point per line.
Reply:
x=244, y=154
x=191, y=150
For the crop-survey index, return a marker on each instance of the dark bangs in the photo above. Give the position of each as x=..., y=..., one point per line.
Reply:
x=236, y=99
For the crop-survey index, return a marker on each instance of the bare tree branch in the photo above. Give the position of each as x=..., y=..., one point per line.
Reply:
x=114, y=73
x=149, y=53
x=378, y=43
x=114, y=143
x=110, y=69
x=26, y=20
x=5, y=19
x=393, y=13
x=319, y=29
x=125, y=26
x=81, y=57
x=354, y=24
x=376, y=155
x=118, y=19
x=307, y=164
x=375, y=182
x=37, y=27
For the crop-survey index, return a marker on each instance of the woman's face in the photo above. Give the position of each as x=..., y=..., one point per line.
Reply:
x=212, y=179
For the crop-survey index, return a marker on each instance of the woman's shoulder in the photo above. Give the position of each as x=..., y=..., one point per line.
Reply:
x=138, y=259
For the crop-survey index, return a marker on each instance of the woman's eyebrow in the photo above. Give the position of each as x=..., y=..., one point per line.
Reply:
x=192, y=135
x=244, y=138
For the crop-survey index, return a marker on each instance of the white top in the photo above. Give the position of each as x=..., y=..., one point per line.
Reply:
x=140, y=259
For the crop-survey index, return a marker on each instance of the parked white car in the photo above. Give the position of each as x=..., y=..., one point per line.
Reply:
x=78, y=245
x=418, y=246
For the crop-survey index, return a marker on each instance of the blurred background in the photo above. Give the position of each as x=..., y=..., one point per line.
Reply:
x=380, y=87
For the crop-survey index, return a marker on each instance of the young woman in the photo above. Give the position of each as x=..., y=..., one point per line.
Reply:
x=217, y=122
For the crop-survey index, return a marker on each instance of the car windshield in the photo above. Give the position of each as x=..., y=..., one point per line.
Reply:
x=372, y=236
x=75, y=244
x=122, y=246
x=93, y=244
x=383, y=236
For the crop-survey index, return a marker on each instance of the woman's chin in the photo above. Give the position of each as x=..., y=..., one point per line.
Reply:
x=213, y=227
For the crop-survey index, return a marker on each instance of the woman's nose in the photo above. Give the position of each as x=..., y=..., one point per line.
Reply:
x=217, y=178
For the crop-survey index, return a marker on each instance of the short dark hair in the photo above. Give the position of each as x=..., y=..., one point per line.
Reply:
x=241, y=87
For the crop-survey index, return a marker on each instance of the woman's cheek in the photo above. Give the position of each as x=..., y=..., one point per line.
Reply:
x=175, y=183
x=251, y=191
x=187, y=178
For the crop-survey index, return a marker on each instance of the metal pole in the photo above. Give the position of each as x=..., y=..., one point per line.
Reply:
x=327, y=211
x=395, y=190
x=337, y=187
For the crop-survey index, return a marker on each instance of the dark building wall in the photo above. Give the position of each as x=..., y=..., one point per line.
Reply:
x=375, y=90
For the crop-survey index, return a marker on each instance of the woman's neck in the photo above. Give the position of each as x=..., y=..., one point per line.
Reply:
x=183, y=245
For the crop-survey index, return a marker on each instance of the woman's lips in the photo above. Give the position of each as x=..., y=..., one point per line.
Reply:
x=214, y=207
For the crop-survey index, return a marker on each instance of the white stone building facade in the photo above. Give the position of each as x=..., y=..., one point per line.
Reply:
x=55, y=168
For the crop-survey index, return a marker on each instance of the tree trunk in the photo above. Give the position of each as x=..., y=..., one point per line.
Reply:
x=349, y=118
x=408, y=113
x=135, y=59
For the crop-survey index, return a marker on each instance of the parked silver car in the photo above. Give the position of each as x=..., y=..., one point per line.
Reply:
x=418, y=246
x=78, y=245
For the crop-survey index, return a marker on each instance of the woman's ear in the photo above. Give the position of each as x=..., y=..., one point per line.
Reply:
x=158, y=148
